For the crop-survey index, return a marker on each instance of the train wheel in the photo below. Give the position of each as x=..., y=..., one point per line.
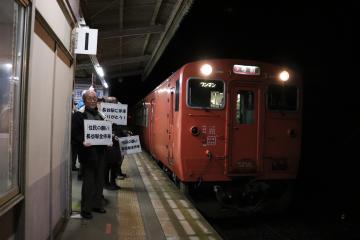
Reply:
x=265, y=198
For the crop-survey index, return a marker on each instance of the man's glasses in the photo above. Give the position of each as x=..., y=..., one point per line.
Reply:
x=91, y=99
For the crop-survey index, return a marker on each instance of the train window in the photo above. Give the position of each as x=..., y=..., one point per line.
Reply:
x=12, y=22
x=207, y=94
x=245, y=107
x=177, y=92
x=282, y=98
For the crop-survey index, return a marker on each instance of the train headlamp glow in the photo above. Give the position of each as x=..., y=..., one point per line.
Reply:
x=206, y=69
x=284, y=76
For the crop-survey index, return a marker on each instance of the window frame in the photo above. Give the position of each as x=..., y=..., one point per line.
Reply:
x=204, y=79
x=283, y=110
x=244, y=121
x=16, y=193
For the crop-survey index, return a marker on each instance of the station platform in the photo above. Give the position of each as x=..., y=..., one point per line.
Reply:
x=148, y=206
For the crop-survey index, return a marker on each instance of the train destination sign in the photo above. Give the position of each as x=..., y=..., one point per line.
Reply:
x=115, y=112
x=208, y=84
x=130, y=145
x=246, y=70
x=98, y=132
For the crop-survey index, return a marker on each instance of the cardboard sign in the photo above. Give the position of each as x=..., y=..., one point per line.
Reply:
x=98, y=132
x=115, y=112
x=130, y=145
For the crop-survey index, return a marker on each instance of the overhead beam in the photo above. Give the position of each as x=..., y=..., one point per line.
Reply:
x=131, y=32
x=180, y=9
x=125, y=74
x=107, y=6
x=152, y=23
x=119, y=61
x=83, y=10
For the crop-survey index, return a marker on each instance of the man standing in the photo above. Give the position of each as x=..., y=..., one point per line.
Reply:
x=113, y=155
x=92, y=158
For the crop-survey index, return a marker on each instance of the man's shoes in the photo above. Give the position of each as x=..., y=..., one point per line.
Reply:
x=99, y=210
x=112, y=187
x=86, y=215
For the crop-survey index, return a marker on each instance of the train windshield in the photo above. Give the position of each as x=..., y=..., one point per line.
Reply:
x=207, y=94
x=282, y=98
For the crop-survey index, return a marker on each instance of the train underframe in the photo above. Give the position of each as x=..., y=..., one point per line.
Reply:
x=245, y=195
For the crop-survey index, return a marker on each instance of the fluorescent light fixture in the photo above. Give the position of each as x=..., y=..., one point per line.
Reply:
x=100, y=71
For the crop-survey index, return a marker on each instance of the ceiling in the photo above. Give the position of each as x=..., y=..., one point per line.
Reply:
x=132, y=35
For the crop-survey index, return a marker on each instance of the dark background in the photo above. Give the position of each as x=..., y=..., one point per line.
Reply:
x=317, y=42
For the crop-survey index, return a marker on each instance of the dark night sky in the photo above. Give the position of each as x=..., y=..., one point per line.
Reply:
x=316, y=42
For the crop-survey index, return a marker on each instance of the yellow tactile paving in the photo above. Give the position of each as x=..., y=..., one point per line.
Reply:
x=176, y=215
x=129, y=215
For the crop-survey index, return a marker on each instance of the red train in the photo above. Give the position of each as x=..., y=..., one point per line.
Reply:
x=229, y=123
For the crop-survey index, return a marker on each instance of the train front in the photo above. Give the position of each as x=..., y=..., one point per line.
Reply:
x=241, y=130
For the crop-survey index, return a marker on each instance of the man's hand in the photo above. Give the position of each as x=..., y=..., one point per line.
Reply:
x=86, y=144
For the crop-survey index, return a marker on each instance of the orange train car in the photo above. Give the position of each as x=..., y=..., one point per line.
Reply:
x=234, y=124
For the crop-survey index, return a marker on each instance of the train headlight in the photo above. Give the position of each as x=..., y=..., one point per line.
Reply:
x=195, y=131
x=206, y=69
x=284, y=76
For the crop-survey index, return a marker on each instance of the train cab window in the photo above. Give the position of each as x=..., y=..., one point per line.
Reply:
x=245, y=107
x=282, y=98
x=207, y=94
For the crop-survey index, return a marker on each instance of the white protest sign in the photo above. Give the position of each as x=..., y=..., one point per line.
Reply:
x=98, y=132
x=130, y=145
x=115, y=112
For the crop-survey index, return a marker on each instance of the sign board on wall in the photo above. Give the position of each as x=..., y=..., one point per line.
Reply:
x=86, y=41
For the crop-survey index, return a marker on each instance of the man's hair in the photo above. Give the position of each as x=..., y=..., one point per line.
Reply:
x=86, y=93
x=111, y=100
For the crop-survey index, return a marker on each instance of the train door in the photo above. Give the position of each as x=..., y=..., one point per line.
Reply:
x=244, y=132
x=170, y=128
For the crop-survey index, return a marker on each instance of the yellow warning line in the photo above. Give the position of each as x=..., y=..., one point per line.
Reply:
x=129, y=215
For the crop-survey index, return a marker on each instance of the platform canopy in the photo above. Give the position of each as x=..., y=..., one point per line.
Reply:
x=133, y=34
